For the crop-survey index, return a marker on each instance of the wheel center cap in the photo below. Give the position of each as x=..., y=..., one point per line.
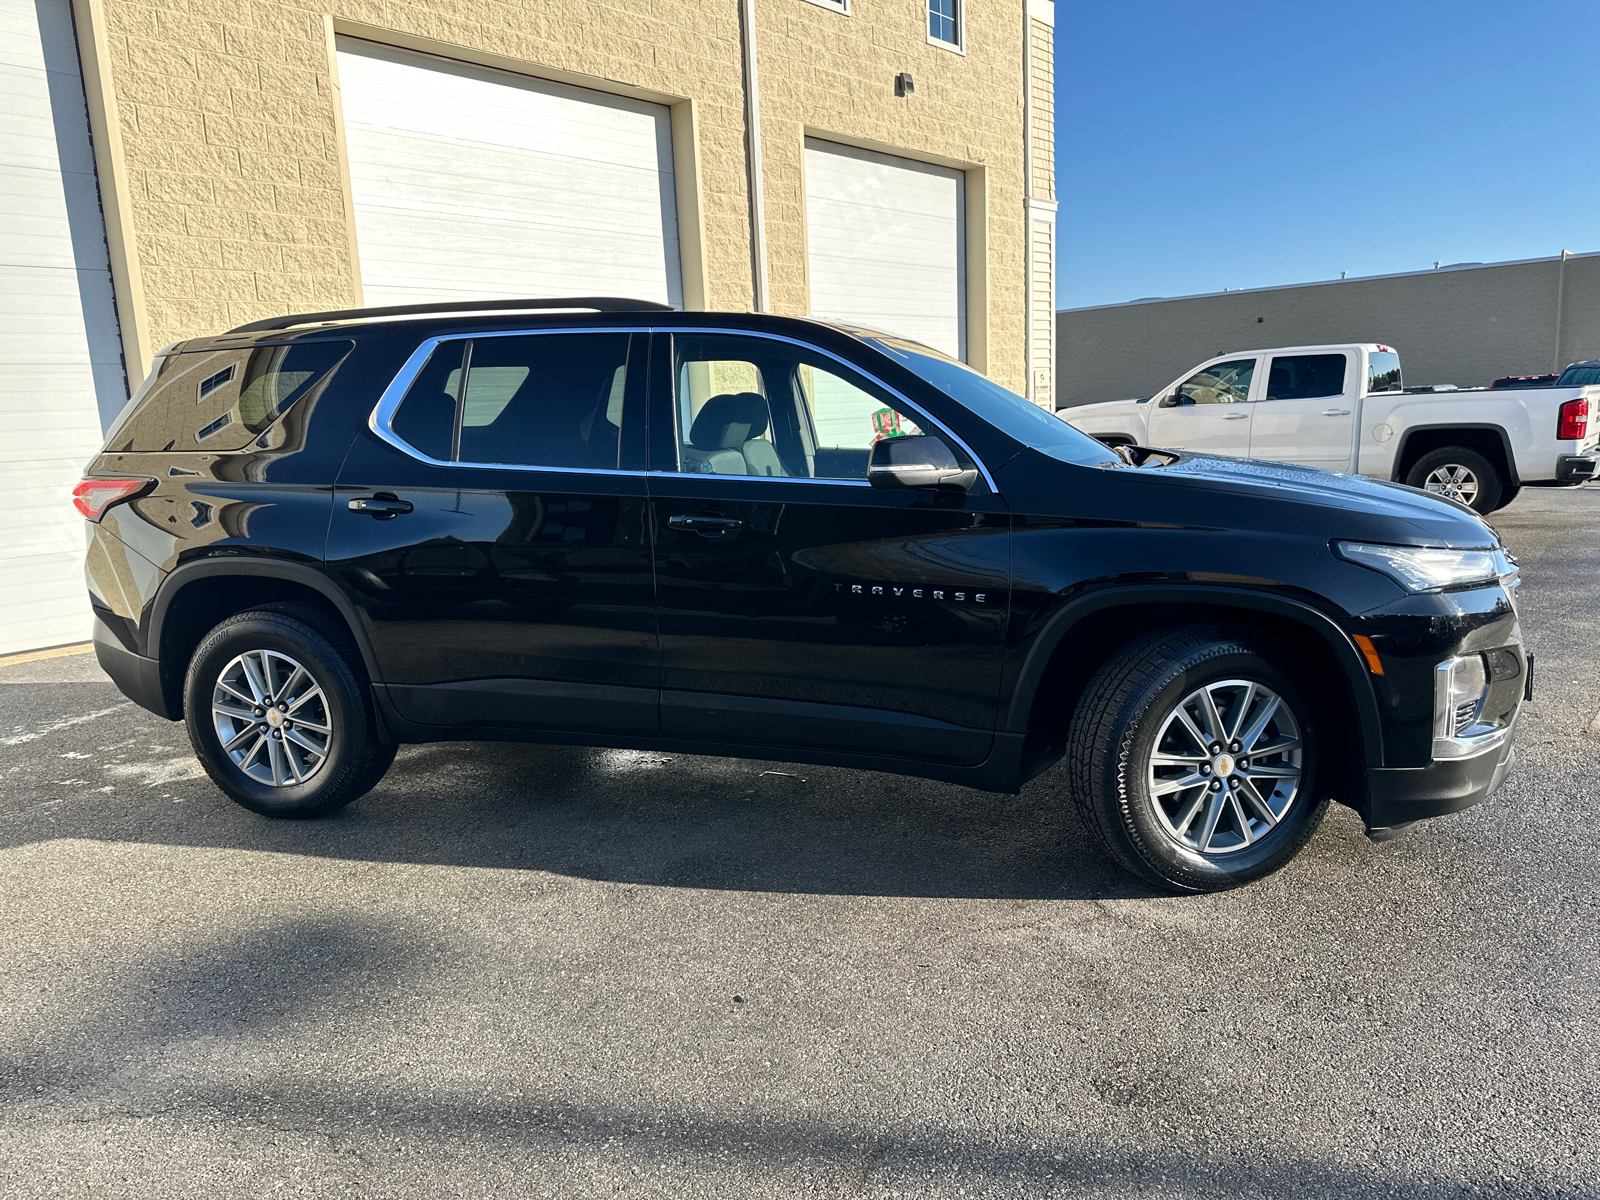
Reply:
x=274, y=718
x=1222, y=764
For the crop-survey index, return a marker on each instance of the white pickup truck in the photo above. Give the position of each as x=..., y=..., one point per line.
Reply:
x=1345, y=408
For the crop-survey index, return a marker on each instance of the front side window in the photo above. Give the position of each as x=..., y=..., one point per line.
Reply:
x=1220, y=383
x=944, y=21
x=1306, y=376
x=534, y=400
x=753, y=406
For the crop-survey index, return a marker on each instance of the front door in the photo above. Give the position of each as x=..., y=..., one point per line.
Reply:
x=1307, y=414
x=1209, y=412
x=493, y=537
x=799, y=606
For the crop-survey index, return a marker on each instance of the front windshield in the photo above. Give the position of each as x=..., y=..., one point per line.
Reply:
x=1580, y=375
x=1005, y=410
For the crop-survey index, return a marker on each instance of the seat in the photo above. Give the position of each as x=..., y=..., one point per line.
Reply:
x=726, y=435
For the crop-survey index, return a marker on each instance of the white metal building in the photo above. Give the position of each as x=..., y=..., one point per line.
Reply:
x=61, y=372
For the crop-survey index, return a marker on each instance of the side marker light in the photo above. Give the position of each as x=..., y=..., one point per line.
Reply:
x=1370, y=653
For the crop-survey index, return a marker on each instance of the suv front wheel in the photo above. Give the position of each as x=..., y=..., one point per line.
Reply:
x=278, y=714
x=1194, y=757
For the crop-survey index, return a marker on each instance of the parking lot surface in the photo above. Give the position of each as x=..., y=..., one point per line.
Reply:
x=548, y=971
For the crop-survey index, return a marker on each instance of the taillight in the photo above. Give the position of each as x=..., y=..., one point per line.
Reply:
x=1574, y=423
x=93, y=496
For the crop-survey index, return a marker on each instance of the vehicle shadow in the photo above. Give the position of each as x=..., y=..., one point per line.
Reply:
x=632, y=817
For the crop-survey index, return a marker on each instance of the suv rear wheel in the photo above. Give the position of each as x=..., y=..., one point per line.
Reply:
x=1194, y=757
x=278, y=714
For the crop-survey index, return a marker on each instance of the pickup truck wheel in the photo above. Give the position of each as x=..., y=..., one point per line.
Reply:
x=279, y=715
x=1194, y=758
x=1460, y=474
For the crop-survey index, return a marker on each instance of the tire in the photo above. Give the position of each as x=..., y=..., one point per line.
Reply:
x=1460, y=474
x=1129, y=712
x=315, y=764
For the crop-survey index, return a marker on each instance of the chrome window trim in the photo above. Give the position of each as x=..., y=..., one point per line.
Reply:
x=848, y=365
x=389, y=402
x=379, y=420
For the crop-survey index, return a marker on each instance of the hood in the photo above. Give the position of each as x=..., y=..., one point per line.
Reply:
x=1072, y=410
x=1207, y=490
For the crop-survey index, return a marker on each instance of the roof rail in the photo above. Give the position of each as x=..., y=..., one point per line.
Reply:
x=595, y=303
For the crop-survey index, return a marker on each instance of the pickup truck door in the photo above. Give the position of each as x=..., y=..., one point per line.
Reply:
x=1209, y=412
x=1307, y=412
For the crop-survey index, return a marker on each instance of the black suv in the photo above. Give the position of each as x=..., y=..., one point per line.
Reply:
x=607, y=523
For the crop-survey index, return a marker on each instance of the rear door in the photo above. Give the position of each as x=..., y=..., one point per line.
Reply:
x=799, y=606
x=1210, y=412
x=1307, y=410
x=490, y=529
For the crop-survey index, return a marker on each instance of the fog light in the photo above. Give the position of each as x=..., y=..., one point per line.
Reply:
x=1460, y=686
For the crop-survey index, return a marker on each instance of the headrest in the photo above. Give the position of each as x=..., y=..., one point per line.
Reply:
x=728, y=421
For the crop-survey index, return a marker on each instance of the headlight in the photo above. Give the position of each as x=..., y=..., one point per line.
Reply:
x=1427, y=568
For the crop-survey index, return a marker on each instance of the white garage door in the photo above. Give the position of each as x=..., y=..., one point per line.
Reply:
x=471, y=183
x=60, y=357
x=886, y=241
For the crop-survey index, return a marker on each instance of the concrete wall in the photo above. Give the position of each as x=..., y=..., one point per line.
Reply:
x=226, y=166
x=1461, y=325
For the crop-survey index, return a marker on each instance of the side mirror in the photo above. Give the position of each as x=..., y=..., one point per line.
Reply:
x=919, y=461
x=1175, y=400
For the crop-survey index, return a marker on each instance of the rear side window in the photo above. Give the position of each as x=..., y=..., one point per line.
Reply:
x=534, y=400
x=1383, y=372
x=1306, y=376
x=222, y=400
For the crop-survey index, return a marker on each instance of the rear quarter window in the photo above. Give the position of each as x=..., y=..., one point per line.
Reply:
x=221, y=400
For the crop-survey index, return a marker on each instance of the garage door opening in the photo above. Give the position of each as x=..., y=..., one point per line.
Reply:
x=473, y=183
x=886, y=244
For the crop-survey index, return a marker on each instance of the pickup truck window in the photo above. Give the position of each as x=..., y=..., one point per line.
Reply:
x=1306, y=376
x=1383, y=372
x=1220, y=383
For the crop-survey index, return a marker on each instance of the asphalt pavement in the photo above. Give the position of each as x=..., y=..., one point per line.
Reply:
x=544, y=971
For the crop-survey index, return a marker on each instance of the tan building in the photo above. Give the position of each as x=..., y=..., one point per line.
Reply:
x=1467, y=324
x=885, y=162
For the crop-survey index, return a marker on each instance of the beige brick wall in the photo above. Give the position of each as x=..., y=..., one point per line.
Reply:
x=232, y=160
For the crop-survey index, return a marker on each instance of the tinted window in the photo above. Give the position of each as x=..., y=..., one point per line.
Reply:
x=1383, y=372
x=426, y=418
x=1306, y=376
x=1582, y=375
x=753, y=406
x=222, y=399
x=1220, y=383
x=1005, y=410
x=540, y=400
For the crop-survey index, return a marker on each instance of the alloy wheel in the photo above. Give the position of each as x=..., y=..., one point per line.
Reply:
x=1226, y=766
x=1453, y=480
x=272, y=718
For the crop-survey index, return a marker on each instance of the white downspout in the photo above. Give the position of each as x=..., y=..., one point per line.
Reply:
x=1561, y=287
x=752, y=124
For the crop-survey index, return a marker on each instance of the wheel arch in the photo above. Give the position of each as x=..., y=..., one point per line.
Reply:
x=1487, y=438
x=197, y=596
x=1052, y=677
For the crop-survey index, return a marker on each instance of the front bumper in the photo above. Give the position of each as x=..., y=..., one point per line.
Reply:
x=1577, y=468
x=1397, y=796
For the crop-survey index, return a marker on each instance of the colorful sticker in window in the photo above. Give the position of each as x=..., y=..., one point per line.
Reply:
x=886, y=424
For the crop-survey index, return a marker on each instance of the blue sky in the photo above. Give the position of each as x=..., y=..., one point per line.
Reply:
x=1243, y=143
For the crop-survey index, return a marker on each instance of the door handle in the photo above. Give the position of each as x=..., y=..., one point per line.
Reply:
x=704, y=526
x=1234, y=416
x=384, y=508
x=1336, y=412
